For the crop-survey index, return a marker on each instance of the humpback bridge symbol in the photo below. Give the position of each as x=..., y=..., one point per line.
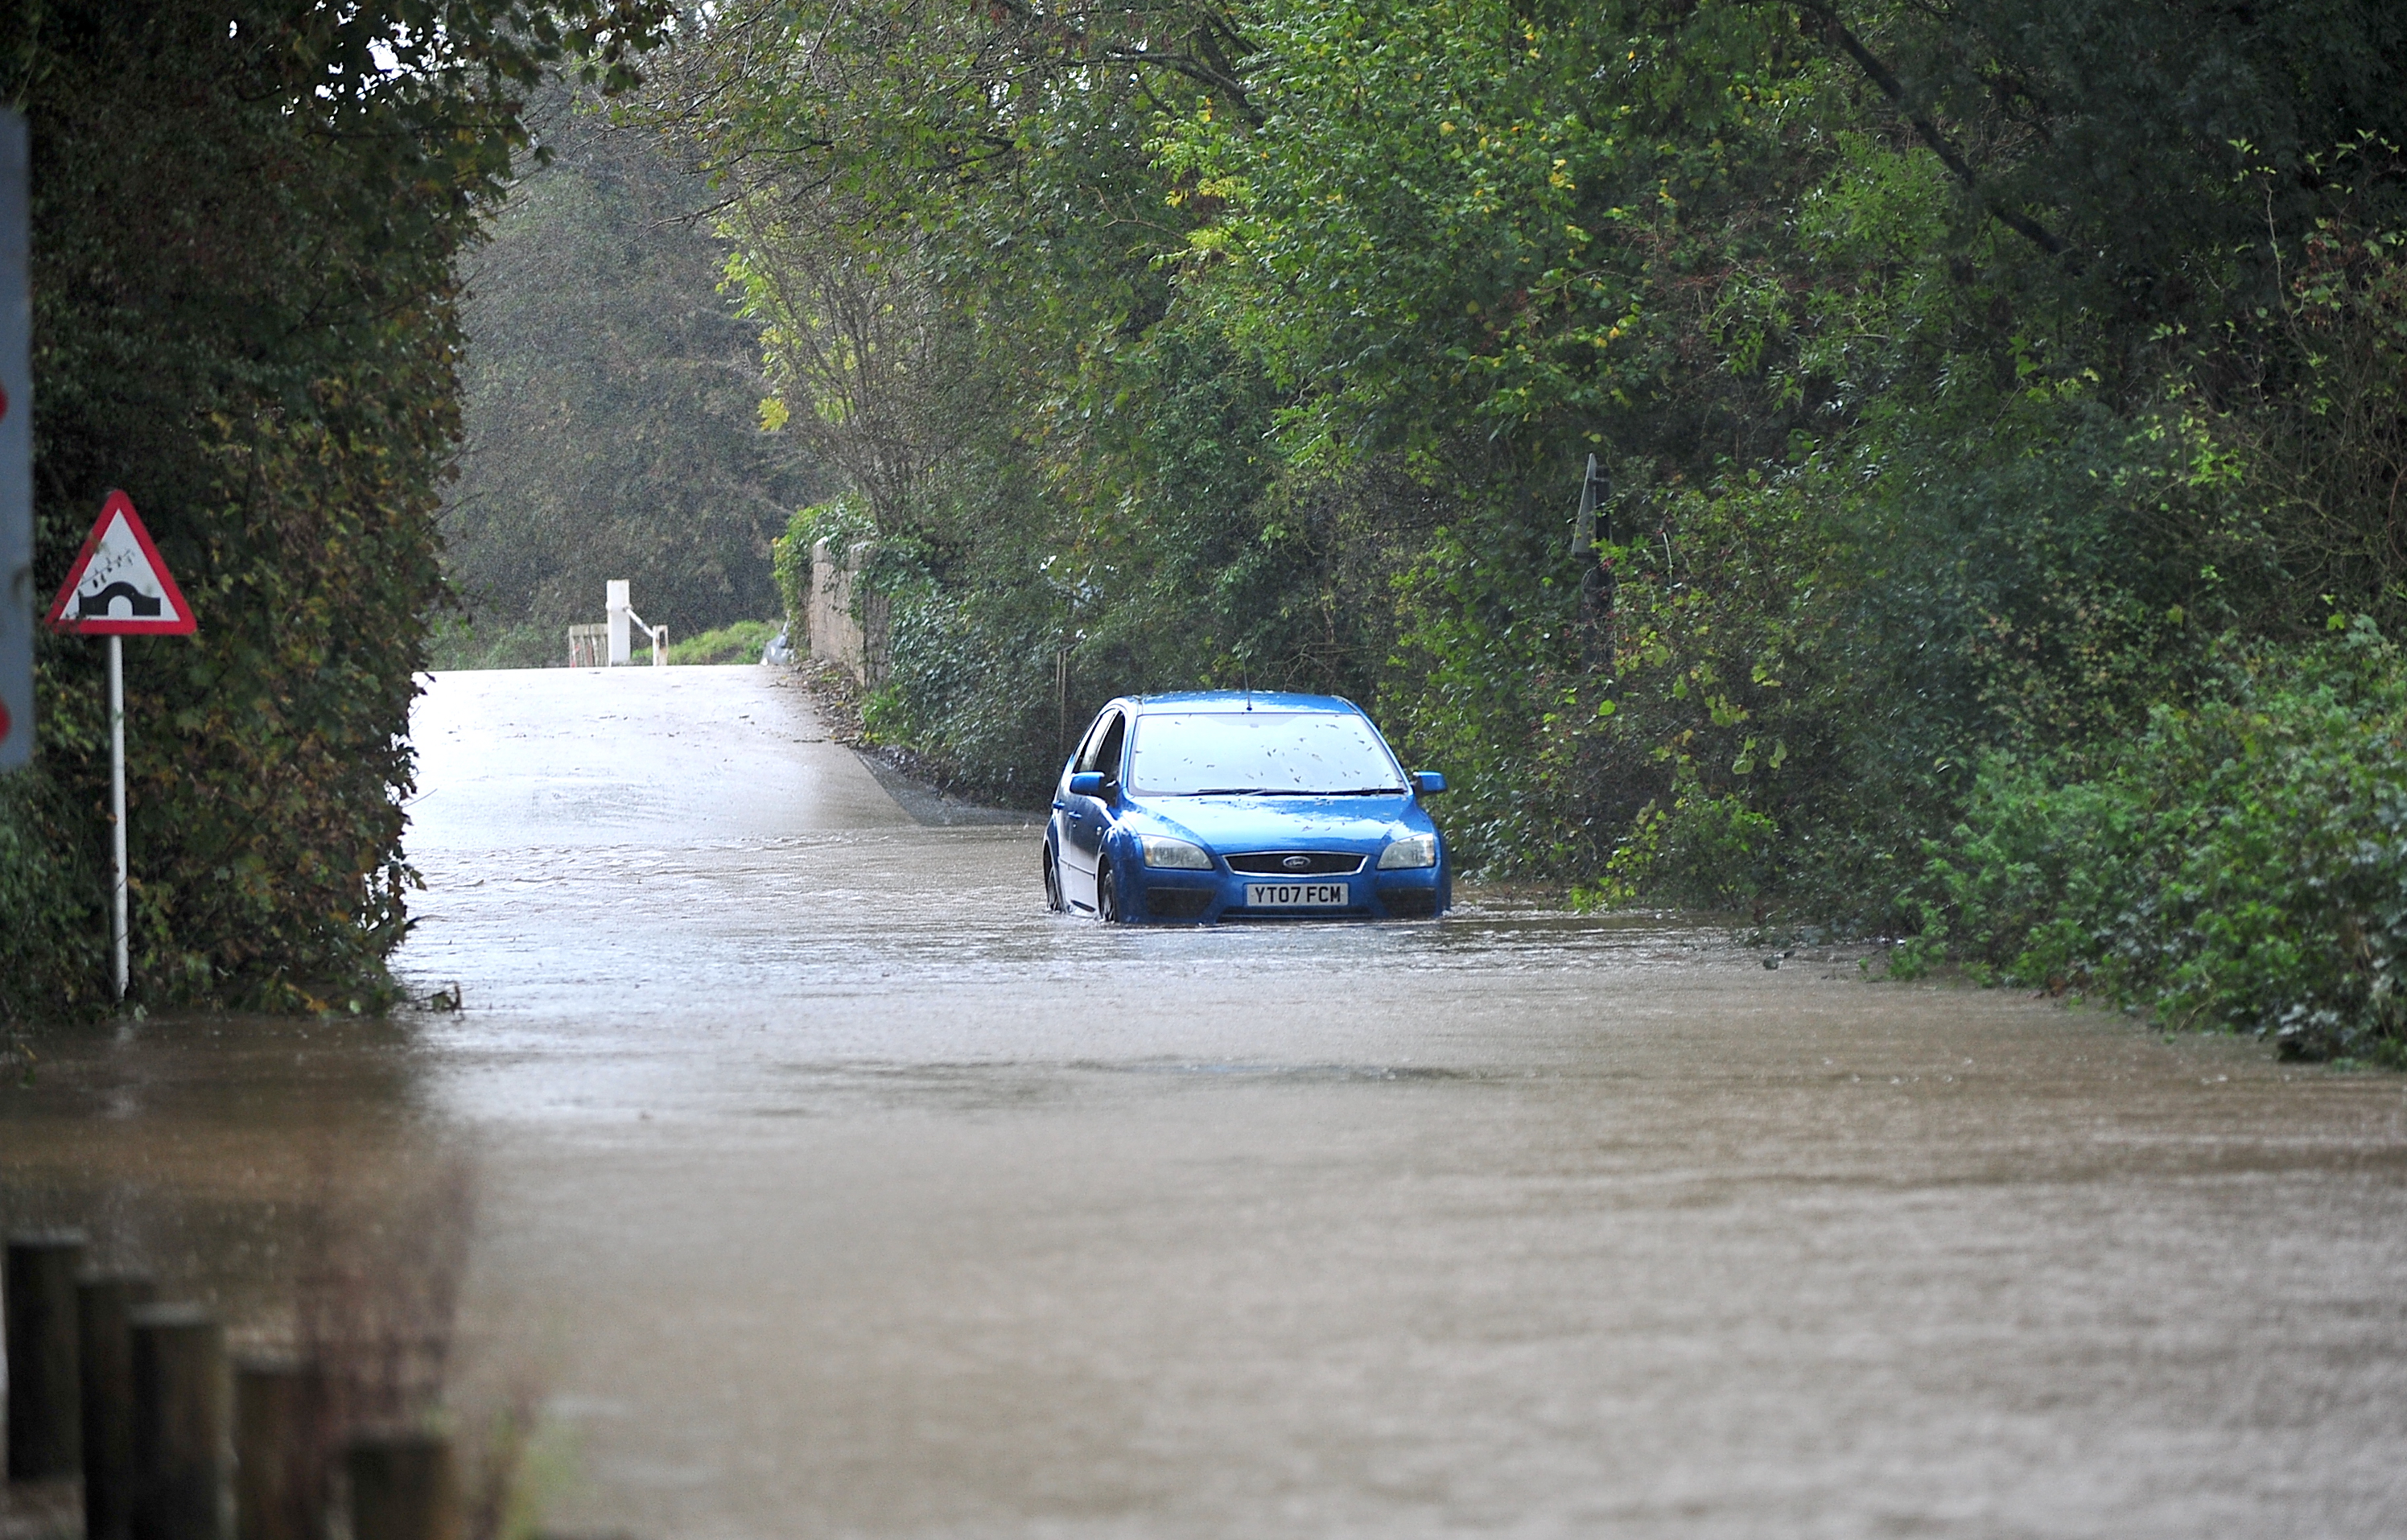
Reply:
x=137, y=603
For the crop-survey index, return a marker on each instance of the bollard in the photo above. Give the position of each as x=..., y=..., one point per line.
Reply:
x=403, y=1488
x=45, y=1428
x=179, y=1424
x=279, y=1480
x=105, y=1344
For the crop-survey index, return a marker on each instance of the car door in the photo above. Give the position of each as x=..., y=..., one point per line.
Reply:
x=1085, y=818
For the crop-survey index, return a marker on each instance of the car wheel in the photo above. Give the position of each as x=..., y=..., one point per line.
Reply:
x=1107, y=898
x=1053, y=899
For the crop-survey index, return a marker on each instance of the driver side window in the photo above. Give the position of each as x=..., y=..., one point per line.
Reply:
x=1102, y=750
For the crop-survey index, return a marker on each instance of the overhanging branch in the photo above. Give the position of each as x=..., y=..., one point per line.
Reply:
x=2020, y=223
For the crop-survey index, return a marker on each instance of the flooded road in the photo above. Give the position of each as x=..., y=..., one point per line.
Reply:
x=826, y=1185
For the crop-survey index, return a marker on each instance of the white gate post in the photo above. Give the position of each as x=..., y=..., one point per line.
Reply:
x=617, y=612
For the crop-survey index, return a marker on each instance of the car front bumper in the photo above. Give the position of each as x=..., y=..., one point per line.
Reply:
x=1179, y=897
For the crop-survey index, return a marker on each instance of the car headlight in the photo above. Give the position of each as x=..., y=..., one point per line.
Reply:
x=1162, y=851
x=1411, y=851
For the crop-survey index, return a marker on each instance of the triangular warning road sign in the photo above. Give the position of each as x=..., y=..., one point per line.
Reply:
x=118, y=586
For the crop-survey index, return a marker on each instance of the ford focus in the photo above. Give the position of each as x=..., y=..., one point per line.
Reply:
x=1224, y=805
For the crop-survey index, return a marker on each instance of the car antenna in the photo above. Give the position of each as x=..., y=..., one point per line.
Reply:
x=1247, y=676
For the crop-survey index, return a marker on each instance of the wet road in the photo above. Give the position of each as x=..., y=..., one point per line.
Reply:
x=826, y=1186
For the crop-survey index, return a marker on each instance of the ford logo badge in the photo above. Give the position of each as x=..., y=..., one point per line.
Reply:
x=1297, y=864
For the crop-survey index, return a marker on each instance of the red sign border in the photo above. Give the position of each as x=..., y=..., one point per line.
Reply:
x=183, y=625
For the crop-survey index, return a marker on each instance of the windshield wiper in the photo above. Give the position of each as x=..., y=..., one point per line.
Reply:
x=1294, y=791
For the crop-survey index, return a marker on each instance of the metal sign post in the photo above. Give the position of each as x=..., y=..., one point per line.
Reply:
x=118, y=877
x=118, y=588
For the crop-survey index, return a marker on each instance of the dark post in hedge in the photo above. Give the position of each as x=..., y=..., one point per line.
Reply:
x=105, y=1342
x=403, y=1488
x=179, y=1424
x=279, y=1482
x=44, y=1428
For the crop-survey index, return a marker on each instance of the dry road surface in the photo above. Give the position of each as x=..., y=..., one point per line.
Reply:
x=813, y=1181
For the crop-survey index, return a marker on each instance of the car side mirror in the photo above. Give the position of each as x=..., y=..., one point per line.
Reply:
x=1428, y=783
x=1088, y=783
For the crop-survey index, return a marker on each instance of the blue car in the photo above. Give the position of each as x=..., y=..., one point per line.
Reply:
x=1228, y=805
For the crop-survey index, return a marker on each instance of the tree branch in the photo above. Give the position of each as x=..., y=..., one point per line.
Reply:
x=2020, y=223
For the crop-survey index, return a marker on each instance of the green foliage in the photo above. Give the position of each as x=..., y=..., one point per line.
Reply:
x=1971, y=381
x=972, y=686
x=740, y=643
x=1704, y=851
x=456, y=641
x=52, y=896
x=244, y=316
x=2241, y=864
x=608, y=402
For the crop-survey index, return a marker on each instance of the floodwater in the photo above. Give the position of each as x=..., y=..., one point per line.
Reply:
x=826, y=1186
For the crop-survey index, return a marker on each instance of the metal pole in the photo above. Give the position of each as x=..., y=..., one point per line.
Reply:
x=116, y=805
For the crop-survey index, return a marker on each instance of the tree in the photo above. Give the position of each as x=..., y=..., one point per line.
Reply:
x=245, y=216
x=1967, y=374
x=608, y=402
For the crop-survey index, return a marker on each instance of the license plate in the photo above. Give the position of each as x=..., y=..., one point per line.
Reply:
x=1296, y=895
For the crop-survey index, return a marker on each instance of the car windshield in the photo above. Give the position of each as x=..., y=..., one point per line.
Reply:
x=1276, y=753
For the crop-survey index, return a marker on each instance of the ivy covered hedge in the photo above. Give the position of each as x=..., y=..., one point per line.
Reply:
x=2240, y=864
x=245, y=218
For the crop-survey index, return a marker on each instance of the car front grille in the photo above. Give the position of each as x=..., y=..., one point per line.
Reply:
x=1315, y=863
x=1409, y=902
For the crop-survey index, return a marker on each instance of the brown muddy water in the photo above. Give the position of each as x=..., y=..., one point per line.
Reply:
x=824, y=1185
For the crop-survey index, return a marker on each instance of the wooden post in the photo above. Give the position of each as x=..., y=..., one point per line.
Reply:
x=403, y=1488
x=105, y=1341
x=44, y=1428
x=280, y=1481
x=1591, y=533
x=179, y=1424
x=1062, y=701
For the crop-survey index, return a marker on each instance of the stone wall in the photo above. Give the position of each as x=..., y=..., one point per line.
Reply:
x=841, y=631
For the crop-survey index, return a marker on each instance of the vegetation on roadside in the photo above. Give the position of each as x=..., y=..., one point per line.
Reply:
x=740, y=643
x=245, y=221
x=1995, y=401
x=609, y=407
x=457, y=640
x=2242, y=863
x=2001, y=408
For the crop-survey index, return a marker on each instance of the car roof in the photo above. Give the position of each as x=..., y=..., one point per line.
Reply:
x=1240, y=700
